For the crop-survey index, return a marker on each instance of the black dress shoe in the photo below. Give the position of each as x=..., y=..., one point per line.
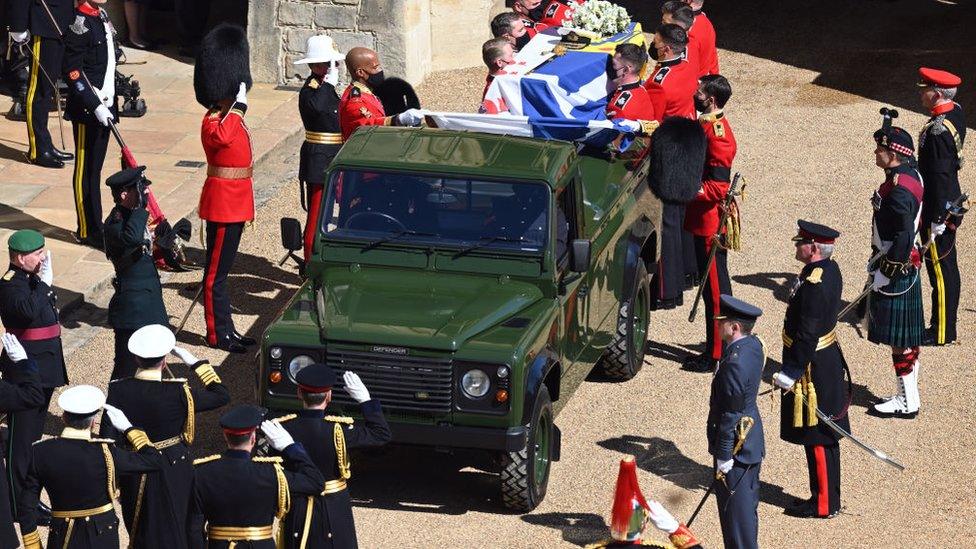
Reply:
x=699, y=363
x=929, y=339
x=243, y=339
x=809, y=510
x=229, y=344
x=96, y=241
x=148, y=46
x=62, y=155
x=47, y=159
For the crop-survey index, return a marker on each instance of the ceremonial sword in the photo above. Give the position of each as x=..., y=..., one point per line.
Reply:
x=844, y=434
x=742, y=429
x=716, y=242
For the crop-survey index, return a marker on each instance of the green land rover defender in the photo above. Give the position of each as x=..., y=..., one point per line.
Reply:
x=473, y=281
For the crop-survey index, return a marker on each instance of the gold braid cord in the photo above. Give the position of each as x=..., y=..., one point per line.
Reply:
x=189, y=427
x=113, y=490
x=340, y=446
x=733, y=228
x=138, y=511
x=284, y=495
x=804, y=386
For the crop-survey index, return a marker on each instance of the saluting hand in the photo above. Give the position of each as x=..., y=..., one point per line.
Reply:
x=46, y=272
x=117, y=418
x=13, y=347
x=355, y=387
x=278, y=436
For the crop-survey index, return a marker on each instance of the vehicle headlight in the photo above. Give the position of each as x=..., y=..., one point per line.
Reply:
x=298, y=364
x=475, y=383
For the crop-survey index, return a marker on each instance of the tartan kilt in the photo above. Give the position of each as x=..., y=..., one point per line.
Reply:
x=897, y=320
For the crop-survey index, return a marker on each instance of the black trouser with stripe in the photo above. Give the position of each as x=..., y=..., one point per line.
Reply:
x=91, y=141
x=823, y=464
x=49, y=54
x=716, y=283
x=223, y=240
x=124, y=364
x=940, y=262
x=24, y=428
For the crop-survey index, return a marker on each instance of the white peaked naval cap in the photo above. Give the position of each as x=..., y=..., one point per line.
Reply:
x=320, y=49
x=82, y=400
x=152, y=341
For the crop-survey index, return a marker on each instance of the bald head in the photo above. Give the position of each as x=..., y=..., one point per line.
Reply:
x=361, y=63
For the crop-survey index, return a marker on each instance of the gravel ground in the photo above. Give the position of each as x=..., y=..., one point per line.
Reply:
x=806, y=151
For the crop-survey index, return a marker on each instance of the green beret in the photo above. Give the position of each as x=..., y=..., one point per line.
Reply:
x=25, y=241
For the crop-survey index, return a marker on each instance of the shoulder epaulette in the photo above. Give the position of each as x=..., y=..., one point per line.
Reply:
x=313, y=83
x=815, y=276
x=267, y=459
x=719, y=128
x=289, y=417
x=339, y=419
x=355, y=92
x=8, y=275
x=207, y=459
x=175, y=379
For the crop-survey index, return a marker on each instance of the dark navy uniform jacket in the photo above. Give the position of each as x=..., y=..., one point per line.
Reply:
x=811, y=315
x=330, y=524
x=23, y=392
x=27, y=302
x=318, y=104
x=894, y=217
x=31, y=15
x=86, y=62
x=138, y=299
x=734, y=389
x=938, y=161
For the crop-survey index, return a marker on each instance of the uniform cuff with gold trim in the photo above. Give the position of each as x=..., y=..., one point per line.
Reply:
x=206, y=373
x=137, y=438
x=238, y=108
x=32, y=540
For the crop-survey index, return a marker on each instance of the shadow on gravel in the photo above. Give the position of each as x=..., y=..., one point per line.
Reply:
x=15, y=219
x=580, y=529
x=778, y=283
x=662, y=458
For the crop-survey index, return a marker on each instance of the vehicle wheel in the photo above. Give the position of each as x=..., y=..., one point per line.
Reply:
x=625, y=356
x=525, y=473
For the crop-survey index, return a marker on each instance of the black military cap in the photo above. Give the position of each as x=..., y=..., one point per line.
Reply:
x=125, y=178
x=316, y=378
x=242, y=419
x=735, y=309
x=815, y=232
x=895, y=139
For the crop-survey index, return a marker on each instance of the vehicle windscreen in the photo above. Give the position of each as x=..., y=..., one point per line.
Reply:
x=381, y=207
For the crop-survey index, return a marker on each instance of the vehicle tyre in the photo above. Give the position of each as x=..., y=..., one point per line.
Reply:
x=525, y=473
x=625, y=356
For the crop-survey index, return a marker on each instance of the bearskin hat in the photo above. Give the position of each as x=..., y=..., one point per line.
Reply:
x=397, y=95
x=222, y=64
x=678, y=149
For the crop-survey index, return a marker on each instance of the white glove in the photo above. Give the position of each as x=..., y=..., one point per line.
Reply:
x=355, y=387
x=880, y=280
x=278, y=437
x=632, y=126
x=725, y=466
x=117, y=418
x=783, y=381
x=13, y=347
x=936, y=229
x=185, y=356
x=410, y=117
x=46, y=272
x=662, y=519
x=103, y=115
x=242, y=94
x=20, y=37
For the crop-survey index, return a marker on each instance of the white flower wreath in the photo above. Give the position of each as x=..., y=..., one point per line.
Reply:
x=601, y=16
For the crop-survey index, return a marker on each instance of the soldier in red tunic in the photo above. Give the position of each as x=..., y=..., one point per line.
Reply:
x=678, y=13
x=359, y=105
x=630, y=101
x=674, y=80
x=221, y=78
x=559, y=13
x=702, y=214
x=702, y=34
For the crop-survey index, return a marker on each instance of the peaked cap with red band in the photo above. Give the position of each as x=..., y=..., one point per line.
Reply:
x=815, y=232
x=936, y=77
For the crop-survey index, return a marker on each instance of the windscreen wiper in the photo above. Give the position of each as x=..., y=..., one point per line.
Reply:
x=486, y=240
x=394, y=236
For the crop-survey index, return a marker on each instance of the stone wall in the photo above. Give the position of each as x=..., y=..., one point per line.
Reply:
x=413, y=37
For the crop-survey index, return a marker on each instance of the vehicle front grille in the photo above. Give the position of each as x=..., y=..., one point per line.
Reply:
x=401, y=383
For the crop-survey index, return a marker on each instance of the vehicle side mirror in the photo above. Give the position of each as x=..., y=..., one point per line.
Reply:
x=580, y=259
x=291, y=234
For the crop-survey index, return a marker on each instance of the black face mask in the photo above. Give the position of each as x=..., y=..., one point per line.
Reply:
x=537, y=13
x=522, y=41
x=700, y=105
x=652, y=51
x=374, y=80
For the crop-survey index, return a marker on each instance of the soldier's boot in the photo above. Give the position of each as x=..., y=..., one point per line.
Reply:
x=905, y=404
